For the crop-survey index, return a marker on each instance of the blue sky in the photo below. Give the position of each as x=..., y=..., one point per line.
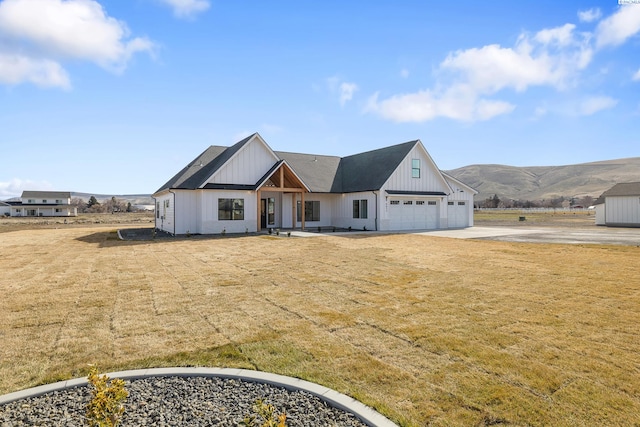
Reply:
x=115, y=97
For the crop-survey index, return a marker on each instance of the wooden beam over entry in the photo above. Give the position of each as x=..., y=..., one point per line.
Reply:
x=283, y=180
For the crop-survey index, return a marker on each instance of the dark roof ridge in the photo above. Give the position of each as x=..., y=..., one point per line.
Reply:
x=390, y=147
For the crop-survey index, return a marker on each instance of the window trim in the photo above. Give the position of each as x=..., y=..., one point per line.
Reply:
x=360, y=209
x=415, y=168
x=231, y=207
x=312, y=217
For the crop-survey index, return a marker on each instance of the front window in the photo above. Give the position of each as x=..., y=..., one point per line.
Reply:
x=311, y=211
x=230, y=209
x=415, y=168
x=360, y=208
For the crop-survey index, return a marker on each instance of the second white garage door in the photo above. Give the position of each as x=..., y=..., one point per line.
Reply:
x=458, y=214
x=413, y=214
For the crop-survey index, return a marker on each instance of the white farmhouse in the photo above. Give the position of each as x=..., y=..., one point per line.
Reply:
x=43, y=203
x=619, y=206
x=250, y=187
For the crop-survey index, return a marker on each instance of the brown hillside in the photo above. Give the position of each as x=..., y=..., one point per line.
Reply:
x=546, y=182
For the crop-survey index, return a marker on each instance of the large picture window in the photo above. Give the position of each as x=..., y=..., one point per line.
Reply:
x=311, y=211
x=360, y=208
x=230, y=209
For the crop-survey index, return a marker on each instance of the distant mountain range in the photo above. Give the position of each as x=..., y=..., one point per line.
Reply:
x=532, y=183
x=547, y=182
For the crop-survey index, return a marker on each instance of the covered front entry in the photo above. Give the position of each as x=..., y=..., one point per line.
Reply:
x=278, y=183
x=413, y=214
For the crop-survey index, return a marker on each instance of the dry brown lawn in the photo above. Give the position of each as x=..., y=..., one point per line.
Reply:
x=427, y=330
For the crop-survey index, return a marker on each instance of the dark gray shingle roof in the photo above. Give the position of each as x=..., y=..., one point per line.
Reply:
x=202, y=167
x=623, y=189
x=322, y=174
x=318, y=172
x=46, y=194
x=370, y=170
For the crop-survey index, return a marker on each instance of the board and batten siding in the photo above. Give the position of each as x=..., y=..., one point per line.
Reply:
x=343, y=211
x=622, y=210
x=247, y=166
x=211, y=224
x=326, y=209
x=164, y=213
x=430, y=179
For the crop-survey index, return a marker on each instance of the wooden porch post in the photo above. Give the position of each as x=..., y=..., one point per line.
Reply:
x=293, y=211
x=302, y=208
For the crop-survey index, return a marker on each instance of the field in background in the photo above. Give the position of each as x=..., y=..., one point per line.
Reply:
x=426, y=330
x=534, y=217
x=138, y=219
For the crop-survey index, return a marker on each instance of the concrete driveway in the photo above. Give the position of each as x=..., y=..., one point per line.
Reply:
x=593, y=235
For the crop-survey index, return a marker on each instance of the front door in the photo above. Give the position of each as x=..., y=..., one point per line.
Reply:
x=268, y=212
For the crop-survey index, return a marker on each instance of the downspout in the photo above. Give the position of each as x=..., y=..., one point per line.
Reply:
x=174, y=212
x=376, y=222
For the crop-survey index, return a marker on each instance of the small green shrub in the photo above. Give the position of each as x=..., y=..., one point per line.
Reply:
x=107, y=397
x=266, y=412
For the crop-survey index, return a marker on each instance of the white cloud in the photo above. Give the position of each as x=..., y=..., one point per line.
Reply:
x=346, y=92
x=589, y=15
x=636, y=76
x=562, y=36
x=187, y=8
x=467, y=78
x=343, y=89
x=15, y=69
x=617, y=28
x=457, y=103
x=43, y=33
x=16, y=186
x=594, y=104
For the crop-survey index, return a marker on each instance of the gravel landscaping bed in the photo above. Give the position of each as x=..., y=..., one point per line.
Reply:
x=180, y=401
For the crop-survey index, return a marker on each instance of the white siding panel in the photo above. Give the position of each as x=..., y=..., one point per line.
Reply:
x=186, y=212
x=247, y=167
x=209, y=208
x=622, y=210
x=600, y=214
x=326, y=210
x=430, y=179
x=343, y=211
x=165, y=221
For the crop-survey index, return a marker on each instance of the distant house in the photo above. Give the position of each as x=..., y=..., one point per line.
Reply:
x=43, y=203
x=5, y=209
x=250, y=187
x=619, y=206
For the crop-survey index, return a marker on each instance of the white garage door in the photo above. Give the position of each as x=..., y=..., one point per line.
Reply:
x=413, y=214
x=458, y=214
